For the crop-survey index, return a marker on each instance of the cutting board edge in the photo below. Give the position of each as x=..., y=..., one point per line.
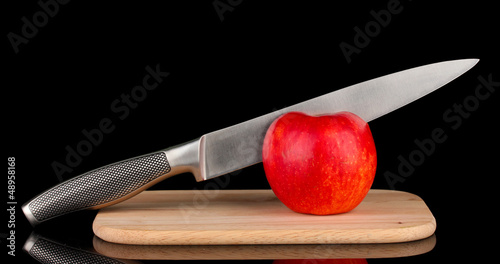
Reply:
x=264, y=252
x=252, y=237
x=128, y=235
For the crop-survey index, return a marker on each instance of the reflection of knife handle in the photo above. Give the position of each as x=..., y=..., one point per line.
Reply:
x=48, y=251
x=113, y=183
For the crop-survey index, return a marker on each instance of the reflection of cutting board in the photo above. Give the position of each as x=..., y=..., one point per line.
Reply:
x=249, y=252
x=218, y=217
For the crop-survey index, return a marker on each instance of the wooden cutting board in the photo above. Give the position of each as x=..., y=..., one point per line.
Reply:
x=254, y=252
x=238, y=217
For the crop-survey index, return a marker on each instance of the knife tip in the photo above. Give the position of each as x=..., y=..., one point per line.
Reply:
x=467, y=63
x=473, y=61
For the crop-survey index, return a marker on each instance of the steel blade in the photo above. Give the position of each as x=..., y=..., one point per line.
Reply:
x=239, y=146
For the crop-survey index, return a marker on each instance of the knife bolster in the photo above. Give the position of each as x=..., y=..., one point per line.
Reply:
x=187, y=157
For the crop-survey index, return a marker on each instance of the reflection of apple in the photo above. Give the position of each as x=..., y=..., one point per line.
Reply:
x=320, y=261
x=319, y=164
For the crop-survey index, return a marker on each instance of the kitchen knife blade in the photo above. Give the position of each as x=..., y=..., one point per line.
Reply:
x=229, y=149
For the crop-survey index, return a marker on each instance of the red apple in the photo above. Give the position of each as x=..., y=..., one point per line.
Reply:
x=319, y=164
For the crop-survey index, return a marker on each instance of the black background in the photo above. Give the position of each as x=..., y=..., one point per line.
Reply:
x=263, y=56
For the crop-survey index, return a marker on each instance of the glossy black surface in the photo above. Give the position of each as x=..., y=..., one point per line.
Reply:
x=78, y=70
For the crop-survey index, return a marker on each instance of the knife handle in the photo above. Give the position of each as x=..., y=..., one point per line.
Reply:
x=114, y=183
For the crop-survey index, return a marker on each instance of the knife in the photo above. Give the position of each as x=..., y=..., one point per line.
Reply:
x=235, y=147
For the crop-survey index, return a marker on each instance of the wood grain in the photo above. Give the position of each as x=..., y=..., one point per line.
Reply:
x=239, y=217
x=249, y=252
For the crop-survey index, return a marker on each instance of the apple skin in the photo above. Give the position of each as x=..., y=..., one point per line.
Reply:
x=319, y=165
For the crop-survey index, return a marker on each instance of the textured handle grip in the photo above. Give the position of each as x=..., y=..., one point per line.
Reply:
x=47, y=251
x=98, y=188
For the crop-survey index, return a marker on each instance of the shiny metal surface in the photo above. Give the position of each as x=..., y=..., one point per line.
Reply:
x=240, y=145
x=235, y=147
x=45, y=250
x=186, y=158
x=99, y=188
